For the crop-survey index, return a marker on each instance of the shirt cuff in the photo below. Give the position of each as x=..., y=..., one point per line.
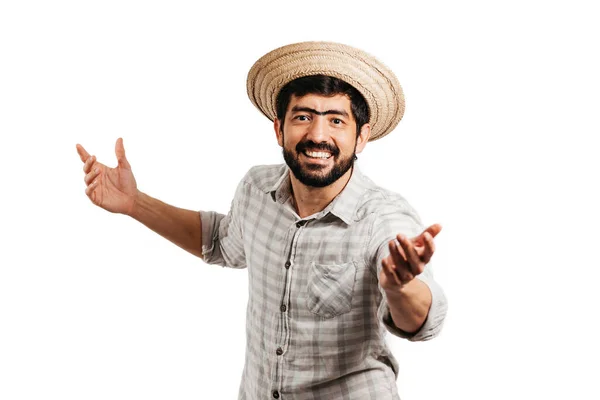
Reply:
x=208, y=220
x=434, y=320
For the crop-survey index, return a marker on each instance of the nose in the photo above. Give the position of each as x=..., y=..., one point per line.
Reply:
x=317, y=130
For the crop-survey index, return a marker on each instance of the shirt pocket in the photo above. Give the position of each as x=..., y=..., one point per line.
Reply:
x=330, y=288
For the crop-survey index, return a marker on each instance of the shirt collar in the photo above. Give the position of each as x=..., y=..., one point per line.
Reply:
x=282, y=188
x=344, y=205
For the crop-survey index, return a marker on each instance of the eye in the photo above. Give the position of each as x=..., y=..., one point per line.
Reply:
x=301, y=117
x=337, y=121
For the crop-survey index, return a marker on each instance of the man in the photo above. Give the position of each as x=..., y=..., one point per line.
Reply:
x=330, y=262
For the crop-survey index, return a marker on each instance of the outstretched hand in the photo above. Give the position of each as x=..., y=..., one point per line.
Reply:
x=113, y=189
x=407, y=258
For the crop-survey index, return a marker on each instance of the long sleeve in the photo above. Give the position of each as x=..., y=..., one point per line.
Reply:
x=385, y=228
x=222, y=235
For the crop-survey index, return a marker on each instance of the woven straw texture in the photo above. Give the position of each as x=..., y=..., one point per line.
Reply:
x=376, y=82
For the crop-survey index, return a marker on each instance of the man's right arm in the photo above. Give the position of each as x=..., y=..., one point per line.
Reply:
x=115, y=190
x=180, y=226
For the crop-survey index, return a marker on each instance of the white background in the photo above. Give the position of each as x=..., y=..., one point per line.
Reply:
x=496, y=145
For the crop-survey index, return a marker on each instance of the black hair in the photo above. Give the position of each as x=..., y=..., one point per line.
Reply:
x=326, y=86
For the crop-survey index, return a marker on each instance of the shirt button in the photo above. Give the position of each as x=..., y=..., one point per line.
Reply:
x=283, y=308
x=275, y=394
x=279, y=351
x=300, y=223
x=287, y=264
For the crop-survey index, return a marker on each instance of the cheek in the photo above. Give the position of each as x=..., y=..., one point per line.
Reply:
x=346, y=145
x=291, y=138
x=288, y=144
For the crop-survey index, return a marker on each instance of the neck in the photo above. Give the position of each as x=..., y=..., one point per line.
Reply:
x=309, y=200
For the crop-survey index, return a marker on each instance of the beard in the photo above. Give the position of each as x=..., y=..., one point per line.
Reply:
x=313, y=174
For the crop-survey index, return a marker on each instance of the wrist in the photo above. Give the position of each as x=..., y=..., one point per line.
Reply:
x=136, y=204
x=402, y=291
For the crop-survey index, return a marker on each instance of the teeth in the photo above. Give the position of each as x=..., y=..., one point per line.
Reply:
x=317, y=154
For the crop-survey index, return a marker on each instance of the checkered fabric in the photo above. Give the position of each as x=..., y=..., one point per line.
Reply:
x=316, y=316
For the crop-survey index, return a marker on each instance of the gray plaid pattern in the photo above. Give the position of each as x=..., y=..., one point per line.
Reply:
x=316, y=316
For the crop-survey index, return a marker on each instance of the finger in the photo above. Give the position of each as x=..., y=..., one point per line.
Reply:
x=90, y=191
x=120, y=152
x=399, y=263
x=433, y=230
x=390, y=272
x=397, y=254
x=90, y=177
x=429, y=248
x=425, y=247
x=87, y=166
x=83, y=154
x=90, y=188
x=414, y=261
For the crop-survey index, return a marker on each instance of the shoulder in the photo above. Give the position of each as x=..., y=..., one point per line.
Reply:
x=381, y=203
x=264, y=178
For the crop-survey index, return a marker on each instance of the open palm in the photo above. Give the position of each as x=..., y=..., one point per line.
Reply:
x=407, y=258
x=113, y=189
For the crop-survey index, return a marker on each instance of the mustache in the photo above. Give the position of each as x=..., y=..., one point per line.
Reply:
x=313, y=146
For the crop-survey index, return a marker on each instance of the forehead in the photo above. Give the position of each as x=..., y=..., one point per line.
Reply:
x=321, y=103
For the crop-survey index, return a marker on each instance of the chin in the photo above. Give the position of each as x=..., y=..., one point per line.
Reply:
x=315, y=174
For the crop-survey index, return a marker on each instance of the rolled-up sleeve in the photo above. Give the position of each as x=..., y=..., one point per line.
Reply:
x=385, y=228
x=435, y=318
x=222, y=235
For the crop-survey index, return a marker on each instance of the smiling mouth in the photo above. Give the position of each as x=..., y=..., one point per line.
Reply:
x=318, y=155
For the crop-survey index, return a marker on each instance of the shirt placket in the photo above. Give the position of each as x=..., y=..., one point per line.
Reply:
x=284, y=336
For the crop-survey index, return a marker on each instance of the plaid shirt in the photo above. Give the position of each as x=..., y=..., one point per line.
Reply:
x=316, y=316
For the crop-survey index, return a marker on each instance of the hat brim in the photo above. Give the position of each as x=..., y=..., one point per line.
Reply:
x=375, y=81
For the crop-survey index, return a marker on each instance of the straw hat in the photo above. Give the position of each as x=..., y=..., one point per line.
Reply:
x=369, y=76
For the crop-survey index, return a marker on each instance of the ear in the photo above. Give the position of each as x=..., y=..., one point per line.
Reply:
x=363, y=137
x=278, y=131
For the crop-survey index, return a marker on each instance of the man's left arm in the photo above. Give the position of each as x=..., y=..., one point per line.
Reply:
x=415, y=303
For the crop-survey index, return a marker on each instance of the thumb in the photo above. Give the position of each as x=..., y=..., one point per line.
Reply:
x=120, y=152
x=434, y=229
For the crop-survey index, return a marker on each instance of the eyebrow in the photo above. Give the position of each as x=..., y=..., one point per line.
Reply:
x=313, y=111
